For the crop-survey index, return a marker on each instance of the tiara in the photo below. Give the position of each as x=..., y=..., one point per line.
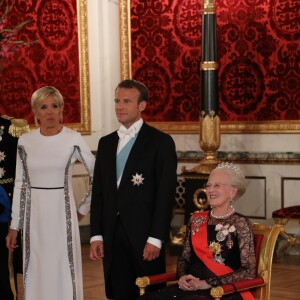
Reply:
x=230, y=166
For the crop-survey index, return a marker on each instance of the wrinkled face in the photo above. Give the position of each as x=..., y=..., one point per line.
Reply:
x=127, y=108
x=218, y=189
x=48, y=112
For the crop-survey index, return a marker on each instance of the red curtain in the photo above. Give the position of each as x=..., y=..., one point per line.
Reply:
x=259, y=58
x=53, y=60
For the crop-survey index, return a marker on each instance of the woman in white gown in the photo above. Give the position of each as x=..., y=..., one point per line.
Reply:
x=44, y=206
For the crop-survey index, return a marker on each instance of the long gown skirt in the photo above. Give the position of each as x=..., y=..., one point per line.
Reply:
x=49, y=274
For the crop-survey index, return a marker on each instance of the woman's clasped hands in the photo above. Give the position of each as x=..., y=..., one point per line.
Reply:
x=192, y=283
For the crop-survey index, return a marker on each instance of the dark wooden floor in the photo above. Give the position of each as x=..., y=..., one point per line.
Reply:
x=285, y=277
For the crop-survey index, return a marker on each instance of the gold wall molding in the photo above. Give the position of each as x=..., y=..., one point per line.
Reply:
x=85, y=120
x=232, y=127
x=257, y=158
x=125, y=39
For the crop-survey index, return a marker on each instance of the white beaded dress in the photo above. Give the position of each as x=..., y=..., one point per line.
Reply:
x=45, y=209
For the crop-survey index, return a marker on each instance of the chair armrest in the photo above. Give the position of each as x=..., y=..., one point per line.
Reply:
x=164, y=277
x=219, y=291
x=143, y=282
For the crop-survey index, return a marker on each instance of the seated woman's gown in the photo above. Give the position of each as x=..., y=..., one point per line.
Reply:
x=237, y=252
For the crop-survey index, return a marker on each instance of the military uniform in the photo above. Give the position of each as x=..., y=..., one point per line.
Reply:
x=10, y=130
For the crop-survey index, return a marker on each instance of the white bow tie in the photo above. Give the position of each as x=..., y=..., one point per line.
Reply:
x=122, y=132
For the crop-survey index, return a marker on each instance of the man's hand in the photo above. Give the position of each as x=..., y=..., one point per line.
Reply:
x=96, y=250
x=151, y=252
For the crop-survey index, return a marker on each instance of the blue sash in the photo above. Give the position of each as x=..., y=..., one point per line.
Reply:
x=122, y=157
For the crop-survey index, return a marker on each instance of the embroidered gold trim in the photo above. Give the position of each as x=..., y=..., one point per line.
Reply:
x=18, y=127
x=7, y=180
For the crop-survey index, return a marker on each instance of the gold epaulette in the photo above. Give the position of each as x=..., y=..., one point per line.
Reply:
x=17, y=126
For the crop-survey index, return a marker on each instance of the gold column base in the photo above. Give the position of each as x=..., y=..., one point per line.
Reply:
x=207, y=164
x=209, y=143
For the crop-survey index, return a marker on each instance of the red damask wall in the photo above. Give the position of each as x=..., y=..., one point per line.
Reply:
x=53, y=60
x=259, y=58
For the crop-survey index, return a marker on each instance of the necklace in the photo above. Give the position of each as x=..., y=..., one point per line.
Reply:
x=223, y=216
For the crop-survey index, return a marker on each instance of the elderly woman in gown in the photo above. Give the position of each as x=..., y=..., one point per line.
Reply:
x=219, y=244
x=44, y=207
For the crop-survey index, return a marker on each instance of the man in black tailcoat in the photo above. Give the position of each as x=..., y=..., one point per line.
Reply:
x=10, y=130
x=133, y=194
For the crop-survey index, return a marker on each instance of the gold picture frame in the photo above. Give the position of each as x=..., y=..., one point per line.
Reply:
x=84, y=126
x=290, y=126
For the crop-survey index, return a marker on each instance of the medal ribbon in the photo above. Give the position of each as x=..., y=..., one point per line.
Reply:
x=200, y=246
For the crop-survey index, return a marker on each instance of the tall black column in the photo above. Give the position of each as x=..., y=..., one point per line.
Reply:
x=209, y=101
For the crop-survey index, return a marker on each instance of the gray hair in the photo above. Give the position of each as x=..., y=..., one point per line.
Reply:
x=237, y=178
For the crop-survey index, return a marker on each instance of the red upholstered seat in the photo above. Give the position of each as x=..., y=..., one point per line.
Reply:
x=291, y=212
x=258, y=241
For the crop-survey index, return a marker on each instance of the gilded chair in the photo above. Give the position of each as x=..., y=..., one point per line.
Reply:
x=265, y=240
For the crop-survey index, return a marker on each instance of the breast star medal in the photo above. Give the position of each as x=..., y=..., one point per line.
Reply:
x=216, y=248
x=137, y=179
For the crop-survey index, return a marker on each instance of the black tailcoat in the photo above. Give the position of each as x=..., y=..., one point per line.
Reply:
x=145, y=209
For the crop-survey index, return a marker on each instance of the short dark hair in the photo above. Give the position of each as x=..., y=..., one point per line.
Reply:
x=130, y=84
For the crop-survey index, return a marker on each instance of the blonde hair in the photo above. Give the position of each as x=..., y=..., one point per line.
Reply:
x=43, y=93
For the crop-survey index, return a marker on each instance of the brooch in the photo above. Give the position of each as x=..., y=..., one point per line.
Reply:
x=137, y=179
x=196, y=224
